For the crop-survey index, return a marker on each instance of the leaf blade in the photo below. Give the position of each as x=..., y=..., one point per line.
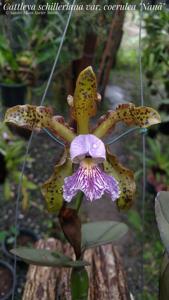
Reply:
x=43, y=257
x=162, y=216
x=100, y=233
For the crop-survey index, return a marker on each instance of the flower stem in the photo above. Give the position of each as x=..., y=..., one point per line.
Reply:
x=79, y=284
x=79, y=200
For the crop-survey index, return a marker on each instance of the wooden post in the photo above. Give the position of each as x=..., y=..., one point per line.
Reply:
x=106, y=275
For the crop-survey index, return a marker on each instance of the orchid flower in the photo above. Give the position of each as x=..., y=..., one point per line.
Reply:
x=89, y=151
x=87, y=164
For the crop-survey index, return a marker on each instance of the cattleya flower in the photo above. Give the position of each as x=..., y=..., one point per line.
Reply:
x=88, y=151
x=87, y=164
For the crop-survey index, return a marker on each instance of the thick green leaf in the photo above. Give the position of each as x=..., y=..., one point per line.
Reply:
x=38, y=117
x=125, y=178
x=141, y=116
x=43, y=257
x=164, y=277
x=162, y=216
x=101, y=233
x=52, y=188
x=84, y=100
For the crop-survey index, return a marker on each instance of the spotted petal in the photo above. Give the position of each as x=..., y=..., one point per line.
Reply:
x=141, y=116
x=52, y=189
x=37, y=117
x=84, y=100
x=125, y=177
x=92, y=181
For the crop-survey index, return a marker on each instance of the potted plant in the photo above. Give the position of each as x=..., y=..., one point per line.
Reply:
x=7, y=281
x=17, y=72
x=25, y=238
x=7, y=274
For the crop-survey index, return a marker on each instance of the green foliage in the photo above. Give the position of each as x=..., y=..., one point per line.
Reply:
x=13, y=151
x=42, y=257
x=158, y=157
x=101, y=233
x=93, y=235
x=15, y=67
x=41, y=36
x=4, y=233
x=135, y=219
x=146, y=296
x=127, y=58
x=156, y=49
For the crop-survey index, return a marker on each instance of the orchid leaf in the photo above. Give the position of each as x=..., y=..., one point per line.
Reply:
x=100, y=233
x=84, y=100
x=43, y=257
x=125, y=177
x=141, y=116
x=164, y=275
x=162, y=217
x=37, y=117
x=52, y=188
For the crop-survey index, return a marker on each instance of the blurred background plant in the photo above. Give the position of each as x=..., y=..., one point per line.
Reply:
x=88, y=41
x=15, y=67
x=11, y=159
x=156, y=51
x=157, y=162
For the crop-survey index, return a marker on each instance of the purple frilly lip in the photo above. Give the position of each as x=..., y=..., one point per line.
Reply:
x=87, y=145
x=92, y=181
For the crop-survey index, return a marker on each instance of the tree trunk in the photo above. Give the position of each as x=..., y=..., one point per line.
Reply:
x=86, y=60
x=111, y=48
x=106, y=275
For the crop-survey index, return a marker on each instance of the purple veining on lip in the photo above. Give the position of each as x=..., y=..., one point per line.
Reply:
x=92, y=181
x=87, y=145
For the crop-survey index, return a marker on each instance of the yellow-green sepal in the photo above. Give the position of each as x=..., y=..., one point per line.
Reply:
x=84, y=100
x=52, y=189
x=125, y=178
x=37, y=117
x=141, y=116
